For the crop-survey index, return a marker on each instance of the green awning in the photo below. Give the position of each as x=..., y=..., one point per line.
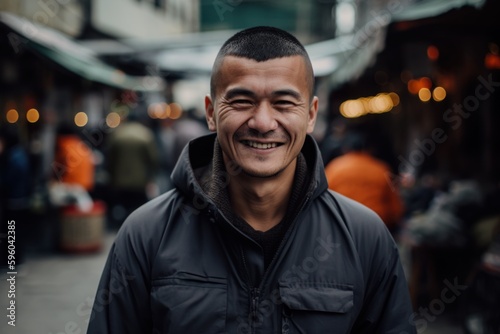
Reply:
x=73, y=56
x=430, y=8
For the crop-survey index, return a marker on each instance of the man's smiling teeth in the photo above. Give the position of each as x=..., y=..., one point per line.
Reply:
x=260, y=145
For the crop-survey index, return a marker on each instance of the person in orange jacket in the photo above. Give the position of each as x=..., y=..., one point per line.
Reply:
x=362, y=177
x=74, y=162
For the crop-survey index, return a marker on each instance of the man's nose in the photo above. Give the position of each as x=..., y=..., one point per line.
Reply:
x=263, y=118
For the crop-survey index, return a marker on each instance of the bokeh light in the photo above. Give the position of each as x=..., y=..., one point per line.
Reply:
x=379, y=104
x=12, y=116
x=424, y=94
x=439, y=94
x=113, y=119
x=175, y=110
x=395, y=98
x=32, y=115
x=432, y=52
x=81, y=119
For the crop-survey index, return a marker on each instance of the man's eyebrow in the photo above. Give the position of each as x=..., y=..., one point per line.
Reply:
x=239, y=91
x=290, y=92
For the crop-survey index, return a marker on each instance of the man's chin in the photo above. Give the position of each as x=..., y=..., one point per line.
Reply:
x=260, y=174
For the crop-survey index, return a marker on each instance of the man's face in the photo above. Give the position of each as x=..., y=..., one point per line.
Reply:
x=262, y=112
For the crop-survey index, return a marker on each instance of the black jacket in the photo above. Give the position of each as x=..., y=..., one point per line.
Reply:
x=178, y=266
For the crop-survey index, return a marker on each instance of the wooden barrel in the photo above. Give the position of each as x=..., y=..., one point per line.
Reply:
x=82, y=232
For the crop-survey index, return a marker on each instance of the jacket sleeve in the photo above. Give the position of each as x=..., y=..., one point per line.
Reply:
x=122, y=303
x=387, y=306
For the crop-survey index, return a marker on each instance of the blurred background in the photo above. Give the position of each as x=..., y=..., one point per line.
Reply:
x=98, y=98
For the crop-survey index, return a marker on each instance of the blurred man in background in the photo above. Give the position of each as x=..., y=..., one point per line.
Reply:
x=132, y=163
x=360, y=176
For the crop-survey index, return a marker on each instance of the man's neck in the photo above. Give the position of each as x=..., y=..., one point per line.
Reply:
x=262, y=202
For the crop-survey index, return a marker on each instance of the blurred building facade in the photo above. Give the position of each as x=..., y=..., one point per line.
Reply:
x=429, y=98
x=111, y=18
x=50, y=78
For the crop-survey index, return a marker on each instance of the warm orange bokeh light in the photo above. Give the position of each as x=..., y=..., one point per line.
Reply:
x=175, y=110
x=424, y=94
x=439, y=94
x=432, y=52
x=32, y=115
x=425, y=82
x=395, y=98
x=492, y=61
x=381, y=103
x=415, y=85
x=81, y=119
x=12, y=116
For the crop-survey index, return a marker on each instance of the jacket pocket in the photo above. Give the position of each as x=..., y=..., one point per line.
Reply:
x=312, y=307
x=189, y=303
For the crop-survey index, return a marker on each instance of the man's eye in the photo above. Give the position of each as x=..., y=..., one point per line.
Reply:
x=284, y=103
x=241, y=102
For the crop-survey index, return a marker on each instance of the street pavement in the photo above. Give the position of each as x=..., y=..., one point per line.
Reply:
x=54, y=294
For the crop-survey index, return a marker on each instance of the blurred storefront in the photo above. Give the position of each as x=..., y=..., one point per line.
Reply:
x=50, y=79
x=429, y=99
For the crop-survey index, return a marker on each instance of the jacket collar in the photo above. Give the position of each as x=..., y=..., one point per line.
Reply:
x=197, y=155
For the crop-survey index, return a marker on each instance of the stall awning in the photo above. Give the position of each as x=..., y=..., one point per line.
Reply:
x=73, y=56
x=342, y=59
x=429, y=8
x=360, y=49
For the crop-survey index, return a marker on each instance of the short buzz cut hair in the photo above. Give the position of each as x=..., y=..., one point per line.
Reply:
x=261, y=44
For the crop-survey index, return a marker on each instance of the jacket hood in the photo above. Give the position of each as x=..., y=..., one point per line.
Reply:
x=199, y=152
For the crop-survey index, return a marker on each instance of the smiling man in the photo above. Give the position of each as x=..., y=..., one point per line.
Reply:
x=251, y=240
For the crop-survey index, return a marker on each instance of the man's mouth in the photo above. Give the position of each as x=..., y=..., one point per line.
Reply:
x=262, y=146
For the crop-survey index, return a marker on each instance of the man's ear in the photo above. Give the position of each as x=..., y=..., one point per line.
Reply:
x=210, y=113
x=313, y=112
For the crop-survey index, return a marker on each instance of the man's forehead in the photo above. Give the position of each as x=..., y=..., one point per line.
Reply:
x=231, y=69
x=254, y=92
x=235, y=60
x=241, y=69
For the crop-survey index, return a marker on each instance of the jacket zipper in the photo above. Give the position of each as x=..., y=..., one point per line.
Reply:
x=255, y=293
x=254, y=296
x=285, y=320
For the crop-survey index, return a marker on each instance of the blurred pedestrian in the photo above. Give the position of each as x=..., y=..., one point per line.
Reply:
x=360, y=176
x=15, y=192
x=332, y=143
x=74, y=160
x=173, y=135
x=132, y=164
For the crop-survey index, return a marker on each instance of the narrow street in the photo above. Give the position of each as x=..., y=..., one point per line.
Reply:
x=54, y=292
